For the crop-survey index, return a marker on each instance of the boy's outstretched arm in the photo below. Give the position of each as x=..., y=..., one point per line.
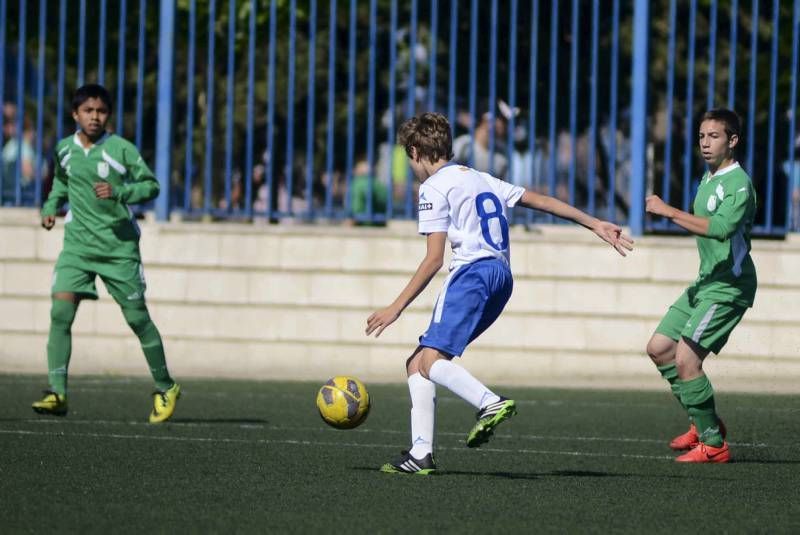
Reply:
x=605, y=230
x=430, y=265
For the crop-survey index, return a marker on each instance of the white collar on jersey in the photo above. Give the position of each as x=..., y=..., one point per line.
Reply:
x=723, y=171
x=85, y=149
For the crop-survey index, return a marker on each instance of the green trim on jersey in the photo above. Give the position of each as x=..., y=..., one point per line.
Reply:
x=102, y=228
x=727, y=273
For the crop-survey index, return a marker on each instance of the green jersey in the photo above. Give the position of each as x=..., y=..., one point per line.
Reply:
x=727, y=273
x=96, y=227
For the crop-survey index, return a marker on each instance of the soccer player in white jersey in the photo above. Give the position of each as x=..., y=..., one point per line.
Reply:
x=468, y=208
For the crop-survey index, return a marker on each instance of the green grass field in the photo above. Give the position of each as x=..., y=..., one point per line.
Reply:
x=255, y=457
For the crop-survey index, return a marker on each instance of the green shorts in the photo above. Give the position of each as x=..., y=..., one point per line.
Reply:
x=706, y=323
x=123, y=277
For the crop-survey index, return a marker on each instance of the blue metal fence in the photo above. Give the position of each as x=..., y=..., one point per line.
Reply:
x=294, y=110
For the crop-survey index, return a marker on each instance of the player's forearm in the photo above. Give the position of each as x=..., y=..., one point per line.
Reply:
x=56, y=199
x=551, y=205
x=425, y=272
x=692, y=223
x=137, y=192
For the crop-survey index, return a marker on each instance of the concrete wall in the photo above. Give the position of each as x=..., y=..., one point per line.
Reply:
x=291, y=302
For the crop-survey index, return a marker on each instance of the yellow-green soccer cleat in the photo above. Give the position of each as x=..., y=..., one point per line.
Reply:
x=51, y=403
x=164, y=403
x=488, y=418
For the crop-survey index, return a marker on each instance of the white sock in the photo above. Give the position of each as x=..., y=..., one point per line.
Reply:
x=423, y=415
x=461, y=383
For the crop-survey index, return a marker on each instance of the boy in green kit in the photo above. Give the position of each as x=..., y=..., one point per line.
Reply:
x=702, y=318
x=100, y=174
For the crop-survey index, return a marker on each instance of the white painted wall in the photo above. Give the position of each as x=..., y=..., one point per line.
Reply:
x=291, y=302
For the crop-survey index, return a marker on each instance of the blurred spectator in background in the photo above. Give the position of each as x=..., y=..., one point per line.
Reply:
x=792, y=170
x=359, y=191
x=12, y=150
x=476, y=154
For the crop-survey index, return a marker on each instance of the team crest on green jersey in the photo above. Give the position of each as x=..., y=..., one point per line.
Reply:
x=102, y=169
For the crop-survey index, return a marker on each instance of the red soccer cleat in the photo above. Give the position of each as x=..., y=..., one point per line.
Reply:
x=690, y=439
x=704, y=453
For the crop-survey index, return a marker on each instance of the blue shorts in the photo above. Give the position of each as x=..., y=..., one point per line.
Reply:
x=473, y=297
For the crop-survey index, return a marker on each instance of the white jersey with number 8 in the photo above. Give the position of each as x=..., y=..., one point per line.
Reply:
x=471, y=207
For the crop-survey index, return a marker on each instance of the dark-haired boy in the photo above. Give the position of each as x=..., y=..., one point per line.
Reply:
x=703, y=317
x=100, y=174
x=468, y=208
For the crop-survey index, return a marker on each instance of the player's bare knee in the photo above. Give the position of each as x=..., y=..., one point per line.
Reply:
x=661, y=350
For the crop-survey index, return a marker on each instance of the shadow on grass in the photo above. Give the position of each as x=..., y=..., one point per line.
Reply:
x=553, y=474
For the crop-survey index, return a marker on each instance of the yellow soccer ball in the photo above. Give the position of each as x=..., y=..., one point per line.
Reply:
x=343, y=402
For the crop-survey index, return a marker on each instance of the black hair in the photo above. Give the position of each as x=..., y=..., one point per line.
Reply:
x=85, y=92
x=733, y=125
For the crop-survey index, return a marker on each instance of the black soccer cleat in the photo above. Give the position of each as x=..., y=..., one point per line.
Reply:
x=406, y=464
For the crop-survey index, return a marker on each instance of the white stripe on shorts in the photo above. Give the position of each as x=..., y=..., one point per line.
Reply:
x=437, y=314
x=703, y=324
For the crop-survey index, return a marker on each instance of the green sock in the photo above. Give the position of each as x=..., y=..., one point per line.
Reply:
x=670, y=373
x=59, y=344
x=139, y=320
x=697, y=395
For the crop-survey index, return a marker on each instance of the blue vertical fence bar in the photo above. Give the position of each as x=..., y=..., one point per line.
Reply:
x=473, y=76
x=533, y=85
x=62, y=33
x=188, y=173
x=773, y=82
x=81, y=43
x=411, y=89
x=101, y=50
x=120, y=103
x=331, y=104
x=732, y=43
x=751, y=93
x=492, y=84
x=20, y=99
x=590, y=164
x=373, y=37
x=553, y=85
x=689, y=127
x=390, y=134
x=573, y=99
x=229, y=89
x=434, y=38
x=612, y=119
x=37, y=194
x=140, y=71
x=209, y=141
x=166, y=68
x=512, y=93
x=310, y=103
x=712, y=53
x=351, y=99
x=670, y=99
x=793, y=180
x=451, y=89
x=289, y=164
x=641, y=24
x=411, y=99
x=270, y=163
x=251, y=82
x=2, y=86
x=2, y=81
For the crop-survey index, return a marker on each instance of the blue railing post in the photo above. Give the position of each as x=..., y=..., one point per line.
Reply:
x=639, y=116
x=165, y=93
